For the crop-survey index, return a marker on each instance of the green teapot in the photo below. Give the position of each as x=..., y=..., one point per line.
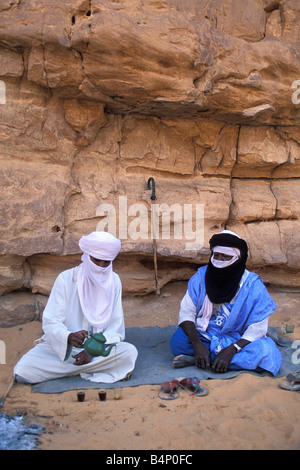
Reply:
x=95, y=345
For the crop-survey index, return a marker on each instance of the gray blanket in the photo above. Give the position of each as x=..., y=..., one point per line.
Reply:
x=154, y=363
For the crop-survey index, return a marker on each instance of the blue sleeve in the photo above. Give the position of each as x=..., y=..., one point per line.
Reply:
x=252, y=305
x=262, y=304
x=196, y=287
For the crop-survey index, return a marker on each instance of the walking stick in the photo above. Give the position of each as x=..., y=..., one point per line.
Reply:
x=7, y=392
x=153, y=198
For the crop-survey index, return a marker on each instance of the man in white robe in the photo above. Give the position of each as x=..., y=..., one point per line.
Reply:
x=87, y=298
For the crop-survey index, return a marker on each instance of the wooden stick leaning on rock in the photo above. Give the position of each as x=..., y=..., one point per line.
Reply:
x=7, y=392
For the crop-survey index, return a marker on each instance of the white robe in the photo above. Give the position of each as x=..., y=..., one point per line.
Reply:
x=51, y=357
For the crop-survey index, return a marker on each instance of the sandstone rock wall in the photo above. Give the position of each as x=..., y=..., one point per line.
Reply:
x=98, y=96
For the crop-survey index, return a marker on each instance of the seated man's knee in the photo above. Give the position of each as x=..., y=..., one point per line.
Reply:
x=180, y=343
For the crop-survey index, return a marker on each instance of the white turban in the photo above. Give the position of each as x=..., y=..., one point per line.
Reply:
x=96, y=284
x=100, y=245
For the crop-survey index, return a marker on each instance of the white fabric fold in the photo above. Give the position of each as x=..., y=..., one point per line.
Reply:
x=225, y=250
x=204, y=314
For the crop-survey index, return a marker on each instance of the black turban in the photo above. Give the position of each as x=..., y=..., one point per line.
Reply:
x=222, y=283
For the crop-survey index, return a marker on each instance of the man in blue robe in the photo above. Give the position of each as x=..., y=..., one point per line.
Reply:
x=223, y=318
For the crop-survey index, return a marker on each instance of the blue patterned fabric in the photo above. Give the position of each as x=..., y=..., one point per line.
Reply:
x=229, y=322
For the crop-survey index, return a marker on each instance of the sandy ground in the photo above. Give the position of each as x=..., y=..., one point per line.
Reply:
x=246, y=412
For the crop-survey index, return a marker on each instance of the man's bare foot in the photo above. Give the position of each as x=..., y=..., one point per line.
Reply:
x=127, y=377
x=183, y=361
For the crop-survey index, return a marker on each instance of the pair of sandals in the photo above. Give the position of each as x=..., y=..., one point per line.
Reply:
x=169, y=390
x=291, y=382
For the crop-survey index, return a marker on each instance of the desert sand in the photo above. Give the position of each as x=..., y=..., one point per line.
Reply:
x=244, y=413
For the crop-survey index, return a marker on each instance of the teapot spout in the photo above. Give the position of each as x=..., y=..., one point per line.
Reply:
x=107, y=350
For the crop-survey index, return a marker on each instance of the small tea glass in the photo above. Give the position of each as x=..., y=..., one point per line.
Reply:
x=81, y=395
x=102, y=394
x=289, y=328
x=117, y=394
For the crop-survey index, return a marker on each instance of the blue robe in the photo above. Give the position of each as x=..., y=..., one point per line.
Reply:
x=252, y=305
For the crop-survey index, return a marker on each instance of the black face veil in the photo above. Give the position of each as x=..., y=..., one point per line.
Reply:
x=222, y=283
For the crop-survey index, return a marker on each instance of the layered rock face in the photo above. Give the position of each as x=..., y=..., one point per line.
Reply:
x=96, y=97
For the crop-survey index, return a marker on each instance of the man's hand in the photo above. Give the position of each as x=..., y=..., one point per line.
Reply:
x=82, y=358
x=76, y=339
x=201, y=355
x=223, y=359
